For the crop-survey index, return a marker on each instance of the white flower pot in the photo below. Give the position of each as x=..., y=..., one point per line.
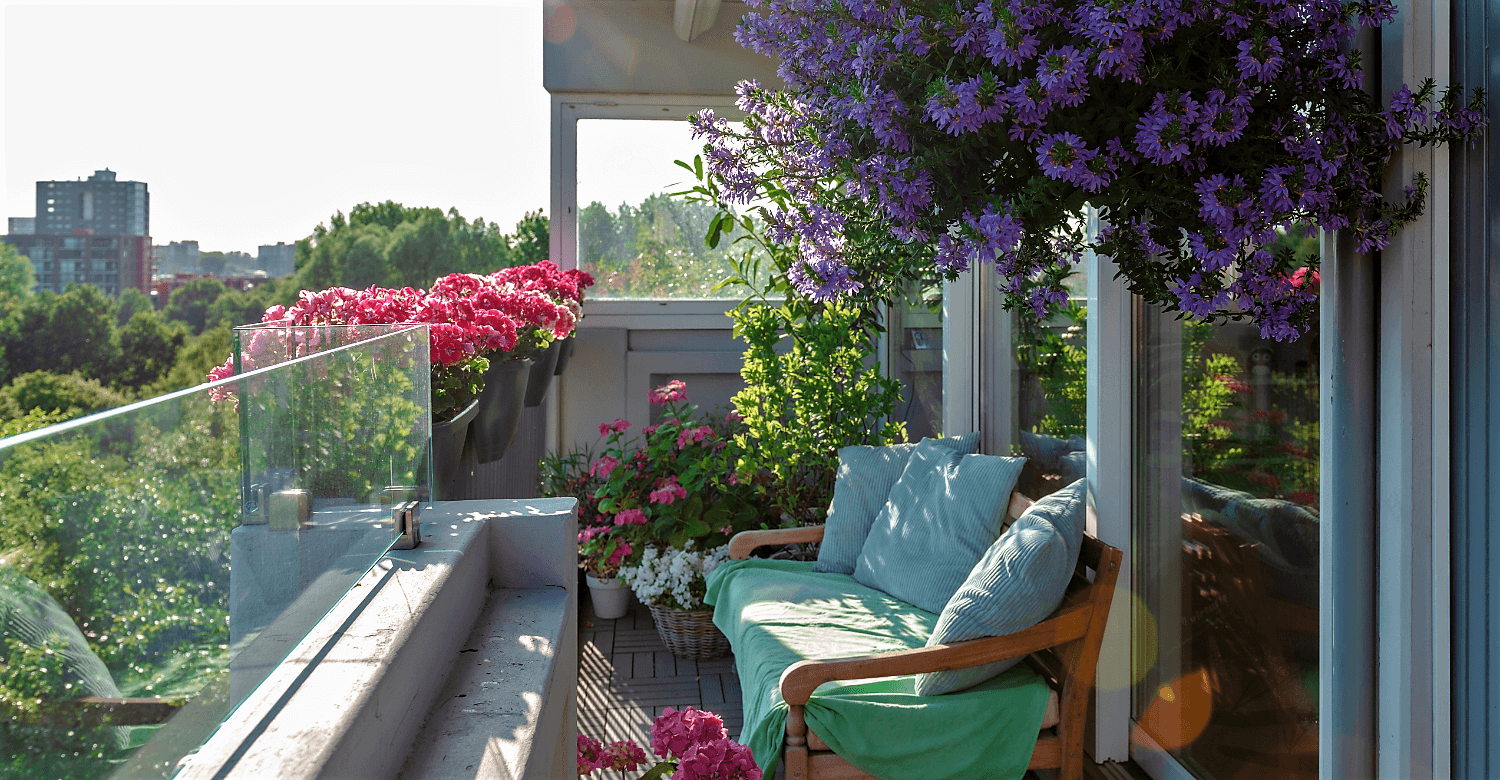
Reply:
x=611, y=597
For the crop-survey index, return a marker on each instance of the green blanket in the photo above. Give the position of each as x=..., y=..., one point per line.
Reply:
x=776, y=613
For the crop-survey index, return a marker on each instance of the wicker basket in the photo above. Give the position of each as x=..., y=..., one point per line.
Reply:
x=690, y=633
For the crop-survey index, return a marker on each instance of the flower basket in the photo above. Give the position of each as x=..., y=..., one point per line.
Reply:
x=448, y=441
x=690, y=633
x=542, y=371
x=499, y=415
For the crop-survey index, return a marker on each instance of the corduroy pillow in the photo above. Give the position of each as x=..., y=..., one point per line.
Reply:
x=864, y=481
x=942, y=514
x=1017, y=584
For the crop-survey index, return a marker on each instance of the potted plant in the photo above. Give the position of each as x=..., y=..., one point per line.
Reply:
x=565, y=288
x=538, y=321
x=912, y=137
x=670, y=494
x=601, y=546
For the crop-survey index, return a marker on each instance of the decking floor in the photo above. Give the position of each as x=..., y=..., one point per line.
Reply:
x=626, y=678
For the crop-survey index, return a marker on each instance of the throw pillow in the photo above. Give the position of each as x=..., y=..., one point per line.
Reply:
x=1018, y=583
x=864, y=481
x=942, y=514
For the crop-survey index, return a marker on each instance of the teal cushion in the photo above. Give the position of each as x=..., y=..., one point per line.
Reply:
x=865, y=478
x=942, y=514
x=1018, y=583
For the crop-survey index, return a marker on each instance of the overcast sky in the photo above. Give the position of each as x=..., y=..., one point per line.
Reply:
x=253, y=123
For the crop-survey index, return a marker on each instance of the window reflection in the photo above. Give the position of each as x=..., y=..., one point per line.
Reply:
x=1226, y=548
x=1051, y=377
x=916, y=358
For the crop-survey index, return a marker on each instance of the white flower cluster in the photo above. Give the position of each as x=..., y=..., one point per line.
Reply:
x=674, y=578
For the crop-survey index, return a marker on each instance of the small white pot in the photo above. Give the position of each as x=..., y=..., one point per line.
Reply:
x=611, y=597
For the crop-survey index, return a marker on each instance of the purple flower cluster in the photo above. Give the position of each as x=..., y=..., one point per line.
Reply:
x=960, y=131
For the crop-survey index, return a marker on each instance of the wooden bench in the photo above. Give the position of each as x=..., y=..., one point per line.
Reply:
x=1064, y=649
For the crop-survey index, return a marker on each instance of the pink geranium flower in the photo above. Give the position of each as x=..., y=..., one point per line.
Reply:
x=603, y=467
x=675, y=390
x=693, y=435
x=668, y=492
x=620, y=425
x=630, y=517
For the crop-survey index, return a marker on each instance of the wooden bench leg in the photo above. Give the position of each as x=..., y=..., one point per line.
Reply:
x=795, y=754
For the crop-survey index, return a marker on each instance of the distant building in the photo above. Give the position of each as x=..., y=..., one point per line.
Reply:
x=111, y=263
x=178, y=257
x=277, y=260
x=93, y=231
x=99, y=204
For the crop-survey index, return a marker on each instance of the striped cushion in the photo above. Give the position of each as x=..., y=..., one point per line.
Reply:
x=1017, y=584
x=942, y=515
x=865, y=478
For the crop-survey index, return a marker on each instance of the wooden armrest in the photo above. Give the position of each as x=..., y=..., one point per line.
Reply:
x=745, y=542
x=800, y=679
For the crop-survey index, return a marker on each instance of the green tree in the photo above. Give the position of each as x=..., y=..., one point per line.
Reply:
x=74, y=331
x=199, y=355
x=71, y=395
x=190, y=302
x=366, y=263
x=532, y=239
x=132, y=301
x=17, y=280
x=212, y=263
x=148, y=349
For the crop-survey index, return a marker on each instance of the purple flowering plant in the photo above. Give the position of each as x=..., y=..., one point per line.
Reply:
x=948, y=133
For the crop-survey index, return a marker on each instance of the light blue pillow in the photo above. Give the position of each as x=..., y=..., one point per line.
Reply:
x=942, y=514
x=1018, y=583
x=864, y=481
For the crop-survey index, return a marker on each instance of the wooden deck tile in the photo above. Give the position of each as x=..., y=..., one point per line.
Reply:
x=626, y=677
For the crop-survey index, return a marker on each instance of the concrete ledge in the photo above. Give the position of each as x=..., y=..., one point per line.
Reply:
x=353, y=696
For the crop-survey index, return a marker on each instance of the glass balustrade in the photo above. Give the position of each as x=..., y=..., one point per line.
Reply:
x=159, y=560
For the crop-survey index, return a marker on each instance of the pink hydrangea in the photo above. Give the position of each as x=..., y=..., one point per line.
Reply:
x=675, y=390
x=668, y=492
x=675, y=732
x=603, y=467
x=693, y=435
x=721, y=759
x=589, y=753
x=630, y=517
x=620, y=425
x=623, y=756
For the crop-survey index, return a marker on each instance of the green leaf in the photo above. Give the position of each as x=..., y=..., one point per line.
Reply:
x=661, y=768
x=686, y=167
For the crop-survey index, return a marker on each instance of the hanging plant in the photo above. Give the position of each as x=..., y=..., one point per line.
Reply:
x=948, y=133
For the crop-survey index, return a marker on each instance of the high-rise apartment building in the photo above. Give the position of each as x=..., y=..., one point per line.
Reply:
x=99, y=203
x=178, y=257
x=90, y=231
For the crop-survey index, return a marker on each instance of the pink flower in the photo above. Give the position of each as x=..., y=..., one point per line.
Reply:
x=591, y=532
x=623, y=756
x=622, y=551
x=721, y=759
x=618, y=426
x=675, y=732
x=726, y=530
x=1300, y=276
x=693, y=435
x=668, y=492
x=589, y=754
x=603, y=467
x=674, y=390
x=650, y=429
x=630, y=517
x=733, y=417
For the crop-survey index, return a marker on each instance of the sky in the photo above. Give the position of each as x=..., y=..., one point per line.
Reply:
x=251, y=124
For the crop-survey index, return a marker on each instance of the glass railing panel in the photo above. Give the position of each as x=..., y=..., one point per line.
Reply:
x=157, y=561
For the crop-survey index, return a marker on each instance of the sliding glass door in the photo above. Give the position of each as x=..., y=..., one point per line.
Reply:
x=1224, y=551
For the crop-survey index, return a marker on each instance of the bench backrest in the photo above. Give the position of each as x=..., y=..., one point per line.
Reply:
x=1071, y=667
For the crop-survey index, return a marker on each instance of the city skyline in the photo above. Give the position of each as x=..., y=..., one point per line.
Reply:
x=252, y=125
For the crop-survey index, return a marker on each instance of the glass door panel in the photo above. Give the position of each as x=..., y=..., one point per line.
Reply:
x=915, y=357
x=1225, y=549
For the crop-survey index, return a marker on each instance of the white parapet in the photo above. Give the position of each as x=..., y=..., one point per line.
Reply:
x=454, y=659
